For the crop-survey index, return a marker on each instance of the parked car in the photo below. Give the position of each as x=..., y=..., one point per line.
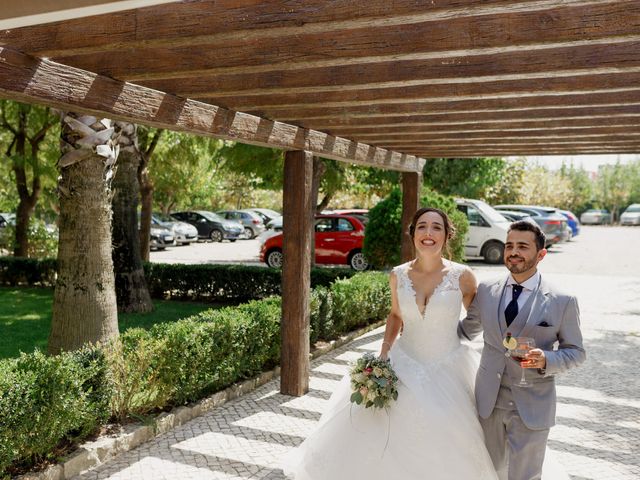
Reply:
x=549, y=219
x=514, y=216
x=631, y=215
x=572, y=221
x=160, y=237
x=183, y=232
x=6, y=219
x=250, y=220
x=265, y=213
x=487, y=230
x=338, y=241
x=595, y=216
x=211, y=225
x=275, y=224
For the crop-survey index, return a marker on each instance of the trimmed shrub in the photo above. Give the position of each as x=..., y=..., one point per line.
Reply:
x=65, y=397
x=218, y=283
x=382, y=241
x=44, y=400
x=27, y=271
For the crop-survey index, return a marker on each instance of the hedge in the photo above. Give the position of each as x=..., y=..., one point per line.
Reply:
x=226, y=283
x=48, y=401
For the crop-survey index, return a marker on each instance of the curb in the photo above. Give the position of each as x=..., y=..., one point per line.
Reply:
x=93, y=454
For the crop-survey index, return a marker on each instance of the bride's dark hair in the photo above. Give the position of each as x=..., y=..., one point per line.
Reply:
x=449, y=228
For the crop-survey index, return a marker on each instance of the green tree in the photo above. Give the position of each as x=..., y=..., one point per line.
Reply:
x=581, y=188
x=542, y=187
x=615, y=186
x=463, y=177
x=382, y=241
x=29, y=144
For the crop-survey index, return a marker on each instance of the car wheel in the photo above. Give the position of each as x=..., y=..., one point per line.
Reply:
x=249, y=233
x=358, y=262
x=215, y=235
x=493, y=252
x=275, y=258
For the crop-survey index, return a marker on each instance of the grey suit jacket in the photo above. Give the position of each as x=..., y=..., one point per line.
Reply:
x=548, y=316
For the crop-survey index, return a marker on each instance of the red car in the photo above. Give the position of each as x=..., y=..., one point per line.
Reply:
x=339, y=240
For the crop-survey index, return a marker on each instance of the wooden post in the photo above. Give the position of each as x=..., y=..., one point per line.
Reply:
x=411, y=183
x=296, y=272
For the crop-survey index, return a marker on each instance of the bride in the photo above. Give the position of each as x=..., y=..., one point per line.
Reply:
x=432, y=430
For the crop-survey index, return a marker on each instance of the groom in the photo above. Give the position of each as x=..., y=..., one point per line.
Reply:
x=516, y=420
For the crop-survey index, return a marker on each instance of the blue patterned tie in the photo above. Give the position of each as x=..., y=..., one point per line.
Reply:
x=511, y=311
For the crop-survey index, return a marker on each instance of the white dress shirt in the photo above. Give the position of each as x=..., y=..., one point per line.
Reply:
x=529, y=286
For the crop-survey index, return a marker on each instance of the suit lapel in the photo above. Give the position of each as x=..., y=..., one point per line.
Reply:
x=537, y=308
x=497, y=312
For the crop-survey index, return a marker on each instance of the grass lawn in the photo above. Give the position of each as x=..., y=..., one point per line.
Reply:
x=25, y=318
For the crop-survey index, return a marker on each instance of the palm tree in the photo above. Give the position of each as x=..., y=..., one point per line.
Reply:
x=84, y=306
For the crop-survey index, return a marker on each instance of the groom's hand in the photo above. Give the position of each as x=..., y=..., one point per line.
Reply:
x=534, y=359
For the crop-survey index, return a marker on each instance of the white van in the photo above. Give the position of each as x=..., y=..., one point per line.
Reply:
x=487, y=230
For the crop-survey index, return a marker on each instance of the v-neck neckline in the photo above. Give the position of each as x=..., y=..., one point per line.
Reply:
x=435, y=289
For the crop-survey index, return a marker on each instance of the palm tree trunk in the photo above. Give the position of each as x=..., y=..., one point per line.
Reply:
x=132, y=293
x=84, y=306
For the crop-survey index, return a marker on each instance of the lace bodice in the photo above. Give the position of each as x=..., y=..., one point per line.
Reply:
x=431, y=335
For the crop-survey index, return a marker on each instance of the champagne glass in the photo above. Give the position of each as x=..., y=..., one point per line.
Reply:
x=519, y=353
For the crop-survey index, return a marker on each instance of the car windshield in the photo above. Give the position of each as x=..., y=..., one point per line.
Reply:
x=212, y=216
x=490, y=212
x=633, y=209
x=161, y=217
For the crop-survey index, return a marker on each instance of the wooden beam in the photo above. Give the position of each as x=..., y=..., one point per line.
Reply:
x=366, y=132
x=21, y=13
x=201, y=21
x=620, y=55
x=507, y=32
x=578, y=84
x=411, y=183
x=296, y=272
x=27, y=79
x=610, y=99
x=593, y=133
x=557, y=114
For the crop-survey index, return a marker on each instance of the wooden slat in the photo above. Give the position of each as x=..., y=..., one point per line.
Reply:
x=433, y=93
x=20, y=13
x=593, y=132
x=610, y=99
x=26, y=79
x=498, y=127
x=492, y=34
x=620, y=56
x=202, y=21
x=594, y=113
x=296, y=272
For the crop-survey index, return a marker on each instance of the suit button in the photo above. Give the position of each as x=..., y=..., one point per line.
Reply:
x=511, y=404
x=499, y=375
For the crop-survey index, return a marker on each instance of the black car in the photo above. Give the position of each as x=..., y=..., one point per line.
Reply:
x=211, y=225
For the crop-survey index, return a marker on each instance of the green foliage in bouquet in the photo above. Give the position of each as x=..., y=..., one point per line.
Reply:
x=373, y=382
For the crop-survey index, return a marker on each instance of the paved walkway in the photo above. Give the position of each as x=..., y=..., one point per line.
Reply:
x=597, y=436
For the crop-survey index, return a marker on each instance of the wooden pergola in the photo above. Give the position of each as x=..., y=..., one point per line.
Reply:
x=376, y=83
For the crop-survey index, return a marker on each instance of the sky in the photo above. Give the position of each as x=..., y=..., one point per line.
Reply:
x=588, y=162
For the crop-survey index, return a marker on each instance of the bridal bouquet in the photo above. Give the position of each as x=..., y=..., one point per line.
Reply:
x=373, y=382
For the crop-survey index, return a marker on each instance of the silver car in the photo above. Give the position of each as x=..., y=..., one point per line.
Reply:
x=251, y=221
x=631, y=216
x=595, y=216
x=549, y=219
x=183, y=232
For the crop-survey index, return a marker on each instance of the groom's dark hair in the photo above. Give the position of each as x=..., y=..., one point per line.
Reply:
x=524, y=226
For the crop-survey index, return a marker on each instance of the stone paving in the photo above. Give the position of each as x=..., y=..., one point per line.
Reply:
x=597, y=436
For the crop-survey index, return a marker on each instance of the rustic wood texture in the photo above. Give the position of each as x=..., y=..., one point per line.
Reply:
x=340, y=78
x=296, y=272
x=411, y=183
x=28, y=79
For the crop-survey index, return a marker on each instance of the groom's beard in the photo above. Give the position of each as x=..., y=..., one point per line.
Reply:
x=521, y=267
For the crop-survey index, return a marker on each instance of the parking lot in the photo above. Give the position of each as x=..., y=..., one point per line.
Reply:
x=597, y=250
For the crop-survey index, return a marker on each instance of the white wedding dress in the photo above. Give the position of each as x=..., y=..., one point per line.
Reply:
x=432, y=430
